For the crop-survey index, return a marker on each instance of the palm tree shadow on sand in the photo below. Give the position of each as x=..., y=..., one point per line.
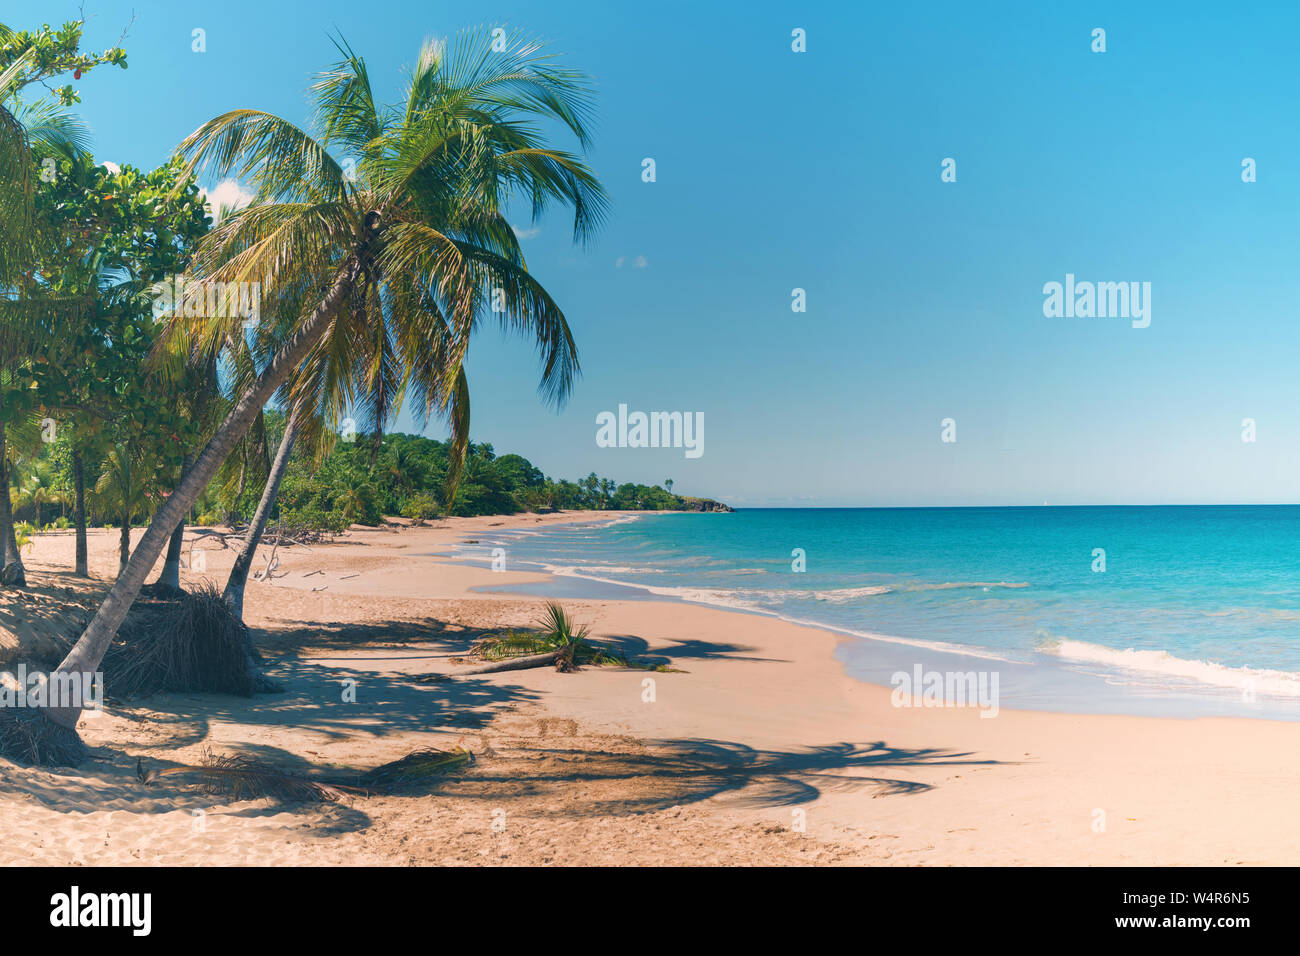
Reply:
x=667, y=773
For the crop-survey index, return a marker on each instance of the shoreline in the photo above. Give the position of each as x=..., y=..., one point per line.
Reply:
x=757, y=748
x=1091, y=680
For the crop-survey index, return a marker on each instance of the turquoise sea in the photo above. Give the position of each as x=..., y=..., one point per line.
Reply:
x=1197, y=609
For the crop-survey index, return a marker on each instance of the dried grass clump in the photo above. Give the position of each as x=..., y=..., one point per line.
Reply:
x=190, y=642
x=29, y=737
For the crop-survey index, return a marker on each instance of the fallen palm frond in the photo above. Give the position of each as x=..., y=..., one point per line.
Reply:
x=415, y=768
x=249, y=778
x=191, y=642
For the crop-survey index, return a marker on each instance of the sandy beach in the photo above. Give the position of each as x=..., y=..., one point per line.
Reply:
x=749, y=747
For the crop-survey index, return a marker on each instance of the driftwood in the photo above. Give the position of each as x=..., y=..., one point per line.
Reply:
x=198, y=533
x=516, y=663
x=273, y=562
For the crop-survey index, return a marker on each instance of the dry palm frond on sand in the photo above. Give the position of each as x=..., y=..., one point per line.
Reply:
x=415, y=768
x=247, y=778
x=241, y=777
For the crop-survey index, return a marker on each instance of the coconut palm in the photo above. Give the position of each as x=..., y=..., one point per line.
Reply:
x=34, y=489
x=403, y=468
x=419, y=234
x=238, y=579
x=12, y=571
x=125, y=488
x=201, y=391
x=356, y=497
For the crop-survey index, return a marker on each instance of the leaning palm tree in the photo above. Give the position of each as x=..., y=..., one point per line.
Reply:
x=233, y=593
x=419, y=232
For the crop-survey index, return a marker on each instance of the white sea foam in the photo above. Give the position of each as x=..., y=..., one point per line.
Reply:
x=840, y=595
x=1162, y=664
x=951, y=585
x=581, y=569
x=967, y=650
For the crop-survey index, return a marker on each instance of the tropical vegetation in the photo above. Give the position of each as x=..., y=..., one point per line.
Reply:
x=159, y=363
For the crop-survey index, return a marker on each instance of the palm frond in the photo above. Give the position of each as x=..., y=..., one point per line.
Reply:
x=283, y=162
x=240, y=777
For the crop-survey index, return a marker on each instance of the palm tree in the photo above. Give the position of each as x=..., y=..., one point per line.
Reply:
x=404, y=468
x=12, y=571
x=419, y=235
x=36, y=489
x=238, y=579
x=201, y=389
x=356, y=496
x=125, y=488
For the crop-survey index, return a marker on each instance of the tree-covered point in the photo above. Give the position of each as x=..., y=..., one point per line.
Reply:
x=360, y=481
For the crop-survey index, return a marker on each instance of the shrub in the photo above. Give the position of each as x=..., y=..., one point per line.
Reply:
x=420, y=507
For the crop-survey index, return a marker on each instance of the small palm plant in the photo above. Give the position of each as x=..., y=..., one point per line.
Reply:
x=23, y=532
x=555, y=633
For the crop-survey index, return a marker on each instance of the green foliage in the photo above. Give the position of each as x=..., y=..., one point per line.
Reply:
x=420, y=507
x=555, y=632
x=361, y=481
x=23, y=532
x=54, y=51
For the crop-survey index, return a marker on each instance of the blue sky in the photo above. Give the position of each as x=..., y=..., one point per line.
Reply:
x=821, y=170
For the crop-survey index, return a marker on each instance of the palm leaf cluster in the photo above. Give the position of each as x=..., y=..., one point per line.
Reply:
x=556, y=631
x=438, y=172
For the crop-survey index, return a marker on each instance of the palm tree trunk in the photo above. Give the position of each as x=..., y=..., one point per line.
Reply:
x=124, y=544
x=11, y=564
x=234, y=593
x=79, y=514
x=88, y=652
x=171, y=572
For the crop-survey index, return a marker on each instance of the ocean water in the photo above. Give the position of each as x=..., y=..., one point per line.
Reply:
x=1197, y=609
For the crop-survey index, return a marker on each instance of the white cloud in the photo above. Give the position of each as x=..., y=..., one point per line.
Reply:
x=525, y=233
x=227, y=196
x=111, y=167
x=640, y=262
